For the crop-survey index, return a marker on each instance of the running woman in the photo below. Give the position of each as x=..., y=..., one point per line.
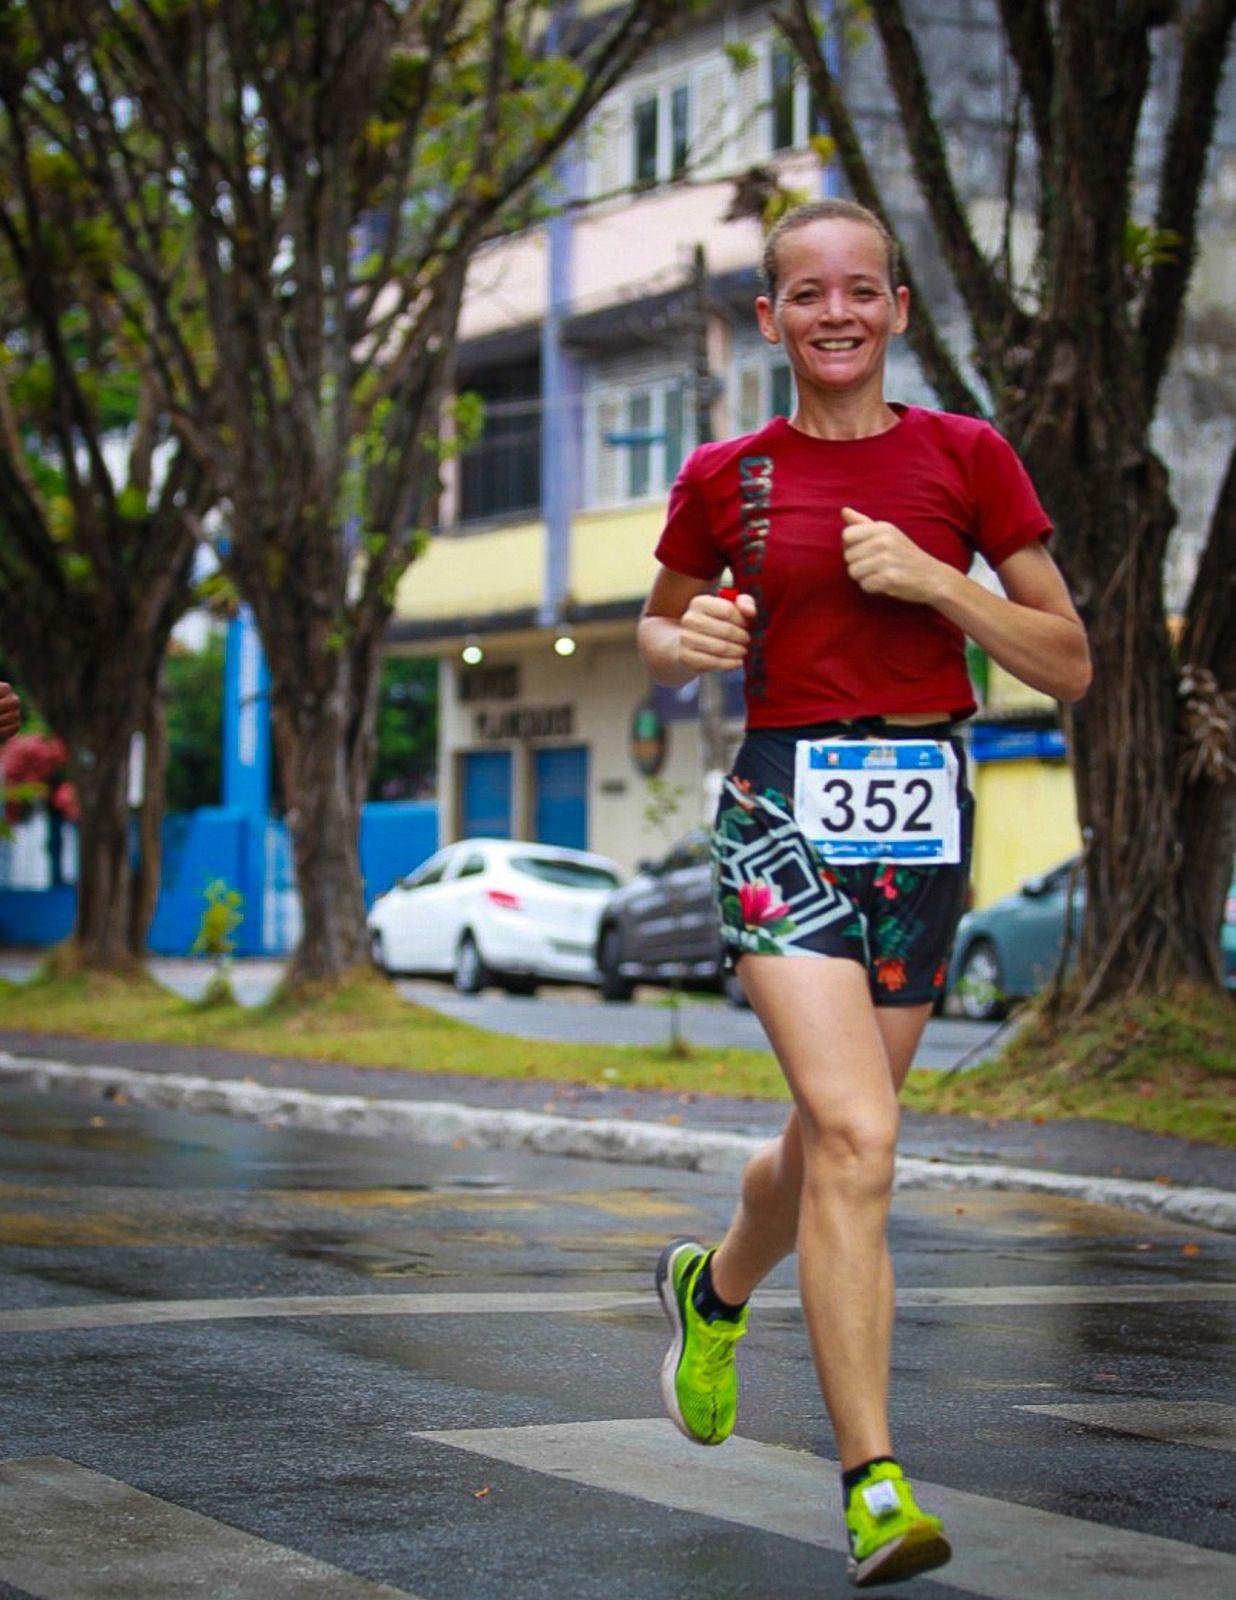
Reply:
x=841, y=843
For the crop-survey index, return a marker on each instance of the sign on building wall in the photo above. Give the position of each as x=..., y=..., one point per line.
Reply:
x=500, y=682
x=524, y=722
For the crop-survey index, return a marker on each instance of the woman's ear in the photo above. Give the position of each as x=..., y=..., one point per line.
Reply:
x=764, y=316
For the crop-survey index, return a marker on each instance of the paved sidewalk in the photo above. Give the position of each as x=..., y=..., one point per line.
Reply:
x=1100, y=1150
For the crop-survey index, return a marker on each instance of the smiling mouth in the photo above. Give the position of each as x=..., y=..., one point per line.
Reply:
x=832, y=346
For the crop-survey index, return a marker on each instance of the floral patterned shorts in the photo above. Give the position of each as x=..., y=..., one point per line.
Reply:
x=777, y=896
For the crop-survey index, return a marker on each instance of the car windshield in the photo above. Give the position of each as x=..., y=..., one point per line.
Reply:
x=569, y=874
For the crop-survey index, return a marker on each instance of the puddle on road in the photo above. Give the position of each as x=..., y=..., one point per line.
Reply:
x=1037, y=1215
x=96, y=1133
x=642, y=1242
x=634, y=1203
x=370, y=1261
x=404, y=1197
x=34, y=1231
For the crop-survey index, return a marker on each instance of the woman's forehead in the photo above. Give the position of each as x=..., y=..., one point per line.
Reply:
x=832, y=247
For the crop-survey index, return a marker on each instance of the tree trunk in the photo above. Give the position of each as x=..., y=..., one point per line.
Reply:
x=150, y=824
x=101, y=932
x=1207, y=841
x=323, y=817
x=1107, y=493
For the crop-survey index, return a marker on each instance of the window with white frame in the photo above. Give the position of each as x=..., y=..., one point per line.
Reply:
x=660, y=132
x=792, y=115
x=722, y=114
x=637, y=440
x=762, y=387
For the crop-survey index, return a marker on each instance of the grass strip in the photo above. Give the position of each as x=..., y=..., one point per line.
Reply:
x=1163, y=1064
x=365, y=1023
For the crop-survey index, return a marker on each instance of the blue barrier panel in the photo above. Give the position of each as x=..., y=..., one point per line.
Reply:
x=219, y=842
x=37, y=916
x=395, y=837
x=198, y=847
x=995, y=743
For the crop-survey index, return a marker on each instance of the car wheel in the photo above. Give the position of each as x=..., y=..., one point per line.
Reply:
x=471, y=973
x=980, y=984
x=377, y=950
x=523, y=984
x=614, y=984
x=732, y=989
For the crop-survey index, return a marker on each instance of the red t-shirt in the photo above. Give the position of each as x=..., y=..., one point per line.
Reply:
x=768, y=507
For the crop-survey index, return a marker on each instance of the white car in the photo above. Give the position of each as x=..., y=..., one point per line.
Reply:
x=496, y=911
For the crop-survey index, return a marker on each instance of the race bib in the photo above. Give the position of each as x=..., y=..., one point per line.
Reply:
x=860, y=801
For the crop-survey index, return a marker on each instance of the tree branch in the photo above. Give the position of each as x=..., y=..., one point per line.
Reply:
x=934, y=356
x=1209, y=638
x=991, y=309
x=636, y=29
x=1027, y=28
x=12, y=446
x=1205, y=36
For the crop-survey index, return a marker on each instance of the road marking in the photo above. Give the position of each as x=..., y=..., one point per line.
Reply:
x=67, y=1533
x=138, y=1313
x=1208, y=1423
x=1005, y=1551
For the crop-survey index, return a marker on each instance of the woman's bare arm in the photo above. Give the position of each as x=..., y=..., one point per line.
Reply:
x=685, y=629
x=1034, y=633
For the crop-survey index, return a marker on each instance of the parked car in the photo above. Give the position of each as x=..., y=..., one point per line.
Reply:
x=496, y=911
x=1010, y=949
x=662, y=926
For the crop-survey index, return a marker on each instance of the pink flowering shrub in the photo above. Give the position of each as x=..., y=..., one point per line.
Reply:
x=33, y=767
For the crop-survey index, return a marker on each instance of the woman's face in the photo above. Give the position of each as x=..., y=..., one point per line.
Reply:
x=834, y=310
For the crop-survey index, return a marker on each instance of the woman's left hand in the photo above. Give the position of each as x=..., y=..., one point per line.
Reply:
x=883, y=560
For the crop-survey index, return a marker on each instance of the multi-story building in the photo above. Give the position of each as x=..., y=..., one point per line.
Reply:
x=583, y=337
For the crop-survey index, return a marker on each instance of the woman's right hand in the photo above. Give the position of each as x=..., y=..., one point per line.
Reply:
x=715, y=632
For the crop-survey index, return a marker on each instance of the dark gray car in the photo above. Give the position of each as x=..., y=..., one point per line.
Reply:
x=662, y=926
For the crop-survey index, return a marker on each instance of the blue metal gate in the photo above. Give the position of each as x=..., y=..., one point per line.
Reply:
x=486, y=791
x=561, y=778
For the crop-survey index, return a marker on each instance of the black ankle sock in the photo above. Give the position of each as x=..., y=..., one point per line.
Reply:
x=851, y=1479
x=708, y=1302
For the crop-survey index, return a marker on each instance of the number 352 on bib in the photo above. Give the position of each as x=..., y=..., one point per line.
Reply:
x=861, y=801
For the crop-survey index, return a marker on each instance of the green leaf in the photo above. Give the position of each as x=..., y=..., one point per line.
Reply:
x=1146, y=247
x=131, y=504
x=77, y=569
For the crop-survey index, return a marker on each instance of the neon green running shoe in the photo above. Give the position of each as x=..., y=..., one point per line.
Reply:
x=890, y=1538
x=699, y=1382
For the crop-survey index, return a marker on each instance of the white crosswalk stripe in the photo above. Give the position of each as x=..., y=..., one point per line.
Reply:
x=1005, y=1551
x=1208, y=1423
x=135, y=1313
x=67, y=1533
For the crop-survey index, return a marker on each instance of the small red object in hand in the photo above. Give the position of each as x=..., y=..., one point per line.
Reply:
x=728, y=594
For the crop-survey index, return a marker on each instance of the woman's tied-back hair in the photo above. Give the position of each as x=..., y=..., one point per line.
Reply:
x=825, y=211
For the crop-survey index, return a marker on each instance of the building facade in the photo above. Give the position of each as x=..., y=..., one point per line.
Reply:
x=584, y=337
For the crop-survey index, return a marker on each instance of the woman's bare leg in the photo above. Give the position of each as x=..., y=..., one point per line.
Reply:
x=764, y=1229
x=825, y=1183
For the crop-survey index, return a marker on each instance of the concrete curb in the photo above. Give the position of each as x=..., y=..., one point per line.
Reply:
x=599, y=1139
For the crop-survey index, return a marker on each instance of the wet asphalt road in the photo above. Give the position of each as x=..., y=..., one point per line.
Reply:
x=500, y=1434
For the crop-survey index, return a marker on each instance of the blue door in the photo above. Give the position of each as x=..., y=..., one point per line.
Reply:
x=561, y=778
x=486, y=790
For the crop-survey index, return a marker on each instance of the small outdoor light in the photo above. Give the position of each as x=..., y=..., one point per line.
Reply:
x=472, y=651
x=564, y=644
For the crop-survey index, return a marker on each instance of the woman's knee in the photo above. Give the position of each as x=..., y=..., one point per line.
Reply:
x=852, y=1147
